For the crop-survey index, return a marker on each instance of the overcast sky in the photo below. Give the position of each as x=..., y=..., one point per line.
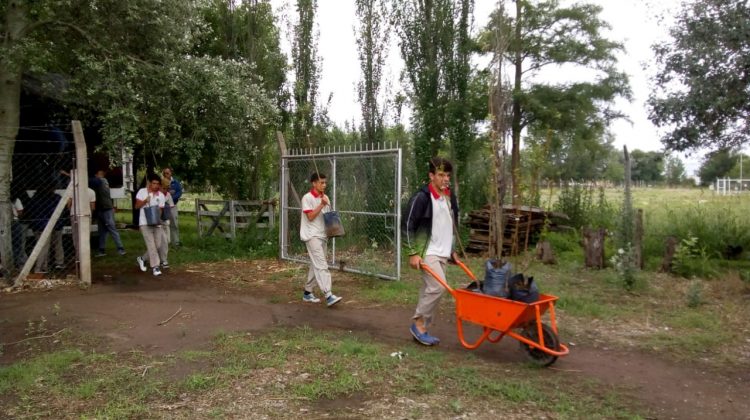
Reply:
x=635, y=23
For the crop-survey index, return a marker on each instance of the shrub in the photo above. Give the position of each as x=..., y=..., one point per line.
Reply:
x=692, y=260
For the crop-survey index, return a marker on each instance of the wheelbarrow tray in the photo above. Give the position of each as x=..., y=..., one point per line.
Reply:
x=501, y=315
x=498, y=313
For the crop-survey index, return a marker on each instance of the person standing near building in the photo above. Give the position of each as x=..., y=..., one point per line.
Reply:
x=175, y=190
x=105, y=213
x=427, y=227
x=313, y=234
x=150, y=226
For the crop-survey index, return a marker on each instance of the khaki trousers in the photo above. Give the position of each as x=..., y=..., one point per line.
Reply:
x=431, y=291
x=316, y=249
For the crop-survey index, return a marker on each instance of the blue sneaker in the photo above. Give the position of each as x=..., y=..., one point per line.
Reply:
x=310, y=298
x=423, y=338
x=332, y=300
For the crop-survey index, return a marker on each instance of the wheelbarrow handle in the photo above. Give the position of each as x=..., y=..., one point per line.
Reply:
x=466, y=269
x=435, y=275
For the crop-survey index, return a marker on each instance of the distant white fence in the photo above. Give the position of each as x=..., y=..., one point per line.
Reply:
x=726, y=186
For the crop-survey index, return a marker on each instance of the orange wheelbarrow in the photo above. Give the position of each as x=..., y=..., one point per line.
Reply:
x=515, y=319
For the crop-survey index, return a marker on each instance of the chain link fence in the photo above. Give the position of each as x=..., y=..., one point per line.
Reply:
x=42, y=171
x=364, y=186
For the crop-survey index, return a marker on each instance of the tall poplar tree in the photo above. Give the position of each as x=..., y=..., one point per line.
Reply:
x=306, y=71
x=372, y=46
x=435, y=45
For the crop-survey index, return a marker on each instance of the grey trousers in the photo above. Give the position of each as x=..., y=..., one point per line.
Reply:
x=316, y=249
x=431, y=291
x=174, y=228
x=163, y=248
x=152, y=235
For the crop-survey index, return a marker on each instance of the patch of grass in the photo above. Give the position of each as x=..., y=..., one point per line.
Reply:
x=307, y=365
x=44, y=370
x=198, y=382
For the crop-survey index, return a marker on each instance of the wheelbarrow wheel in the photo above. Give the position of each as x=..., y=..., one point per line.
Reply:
x=551, y=341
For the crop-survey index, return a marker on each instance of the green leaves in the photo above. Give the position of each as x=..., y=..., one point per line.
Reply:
x=700, y=91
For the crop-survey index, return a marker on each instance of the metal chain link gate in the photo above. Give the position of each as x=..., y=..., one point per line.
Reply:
x=364, y=186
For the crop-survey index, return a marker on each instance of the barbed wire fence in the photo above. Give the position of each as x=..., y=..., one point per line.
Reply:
x=45, y=197
x=364, y=185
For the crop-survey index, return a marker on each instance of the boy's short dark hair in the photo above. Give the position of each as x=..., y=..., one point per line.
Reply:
x=154, y=177
x=440, y=164
x=316, y=176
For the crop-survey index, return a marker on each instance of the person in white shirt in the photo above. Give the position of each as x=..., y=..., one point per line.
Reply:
x=163, y=247
x=313, y=234
x=151, y=200
x=428, y=227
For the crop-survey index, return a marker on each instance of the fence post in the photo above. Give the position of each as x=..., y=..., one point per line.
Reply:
x=232, y=219
x=83, y=216
x=198, y=217
x=44, y=237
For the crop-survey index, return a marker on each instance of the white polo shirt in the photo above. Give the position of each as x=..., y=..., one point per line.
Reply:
x=315, y=228
x=441, y=237
x=154, y=199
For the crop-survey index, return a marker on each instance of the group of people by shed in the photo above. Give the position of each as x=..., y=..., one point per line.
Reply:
x=33, y=210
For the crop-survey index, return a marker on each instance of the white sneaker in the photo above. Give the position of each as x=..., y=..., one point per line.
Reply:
x=332, y=300
x=141, y=264
x=310, y=298
x=156, y=271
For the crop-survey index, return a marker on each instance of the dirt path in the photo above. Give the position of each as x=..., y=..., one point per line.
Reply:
x=128, y=310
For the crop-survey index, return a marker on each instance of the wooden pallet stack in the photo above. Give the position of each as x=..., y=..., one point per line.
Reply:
x=523, y=224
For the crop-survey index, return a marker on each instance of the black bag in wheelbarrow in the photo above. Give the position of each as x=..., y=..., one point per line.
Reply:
x=523, y=289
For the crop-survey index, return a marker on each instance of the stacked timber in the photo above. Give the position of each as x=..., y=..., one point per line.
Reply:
x=523, y=224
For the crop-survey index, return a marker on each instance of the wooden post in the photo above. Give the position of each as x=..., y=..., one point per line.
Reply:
x=593, y=245
x=232, y=219
x=638, y=240
x=669, y=251
x=83, y=216
x=198, y=216
x=44, y=237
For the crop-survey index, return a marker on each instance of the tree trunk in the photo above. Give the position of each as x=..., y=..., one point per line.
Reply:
x=593, y=245
x=669, y=251
x=10, y=103
x=515, y=153
x=544, y=253
x=638, y=240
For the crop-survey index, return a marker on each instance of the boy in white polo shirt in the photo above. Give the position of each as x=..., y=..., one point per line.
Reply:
x=313, y=233
x=428, y=226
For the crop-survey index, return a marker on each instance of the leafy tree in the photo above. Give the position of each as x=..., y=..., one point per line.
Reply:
x=307, y=73
x=372, y=41
x=717, y=164
x=542, y=34
x=582, y=154
x=614, y=167
x=436, y=49
x=246, y=32
x=128, y=68
x=741, y=169
x=700, y=91
x=674, y=171
x=647, y=166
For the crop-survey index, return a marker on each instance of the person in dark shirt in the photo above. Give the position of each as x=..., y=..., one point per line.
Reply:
x=105, y=213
